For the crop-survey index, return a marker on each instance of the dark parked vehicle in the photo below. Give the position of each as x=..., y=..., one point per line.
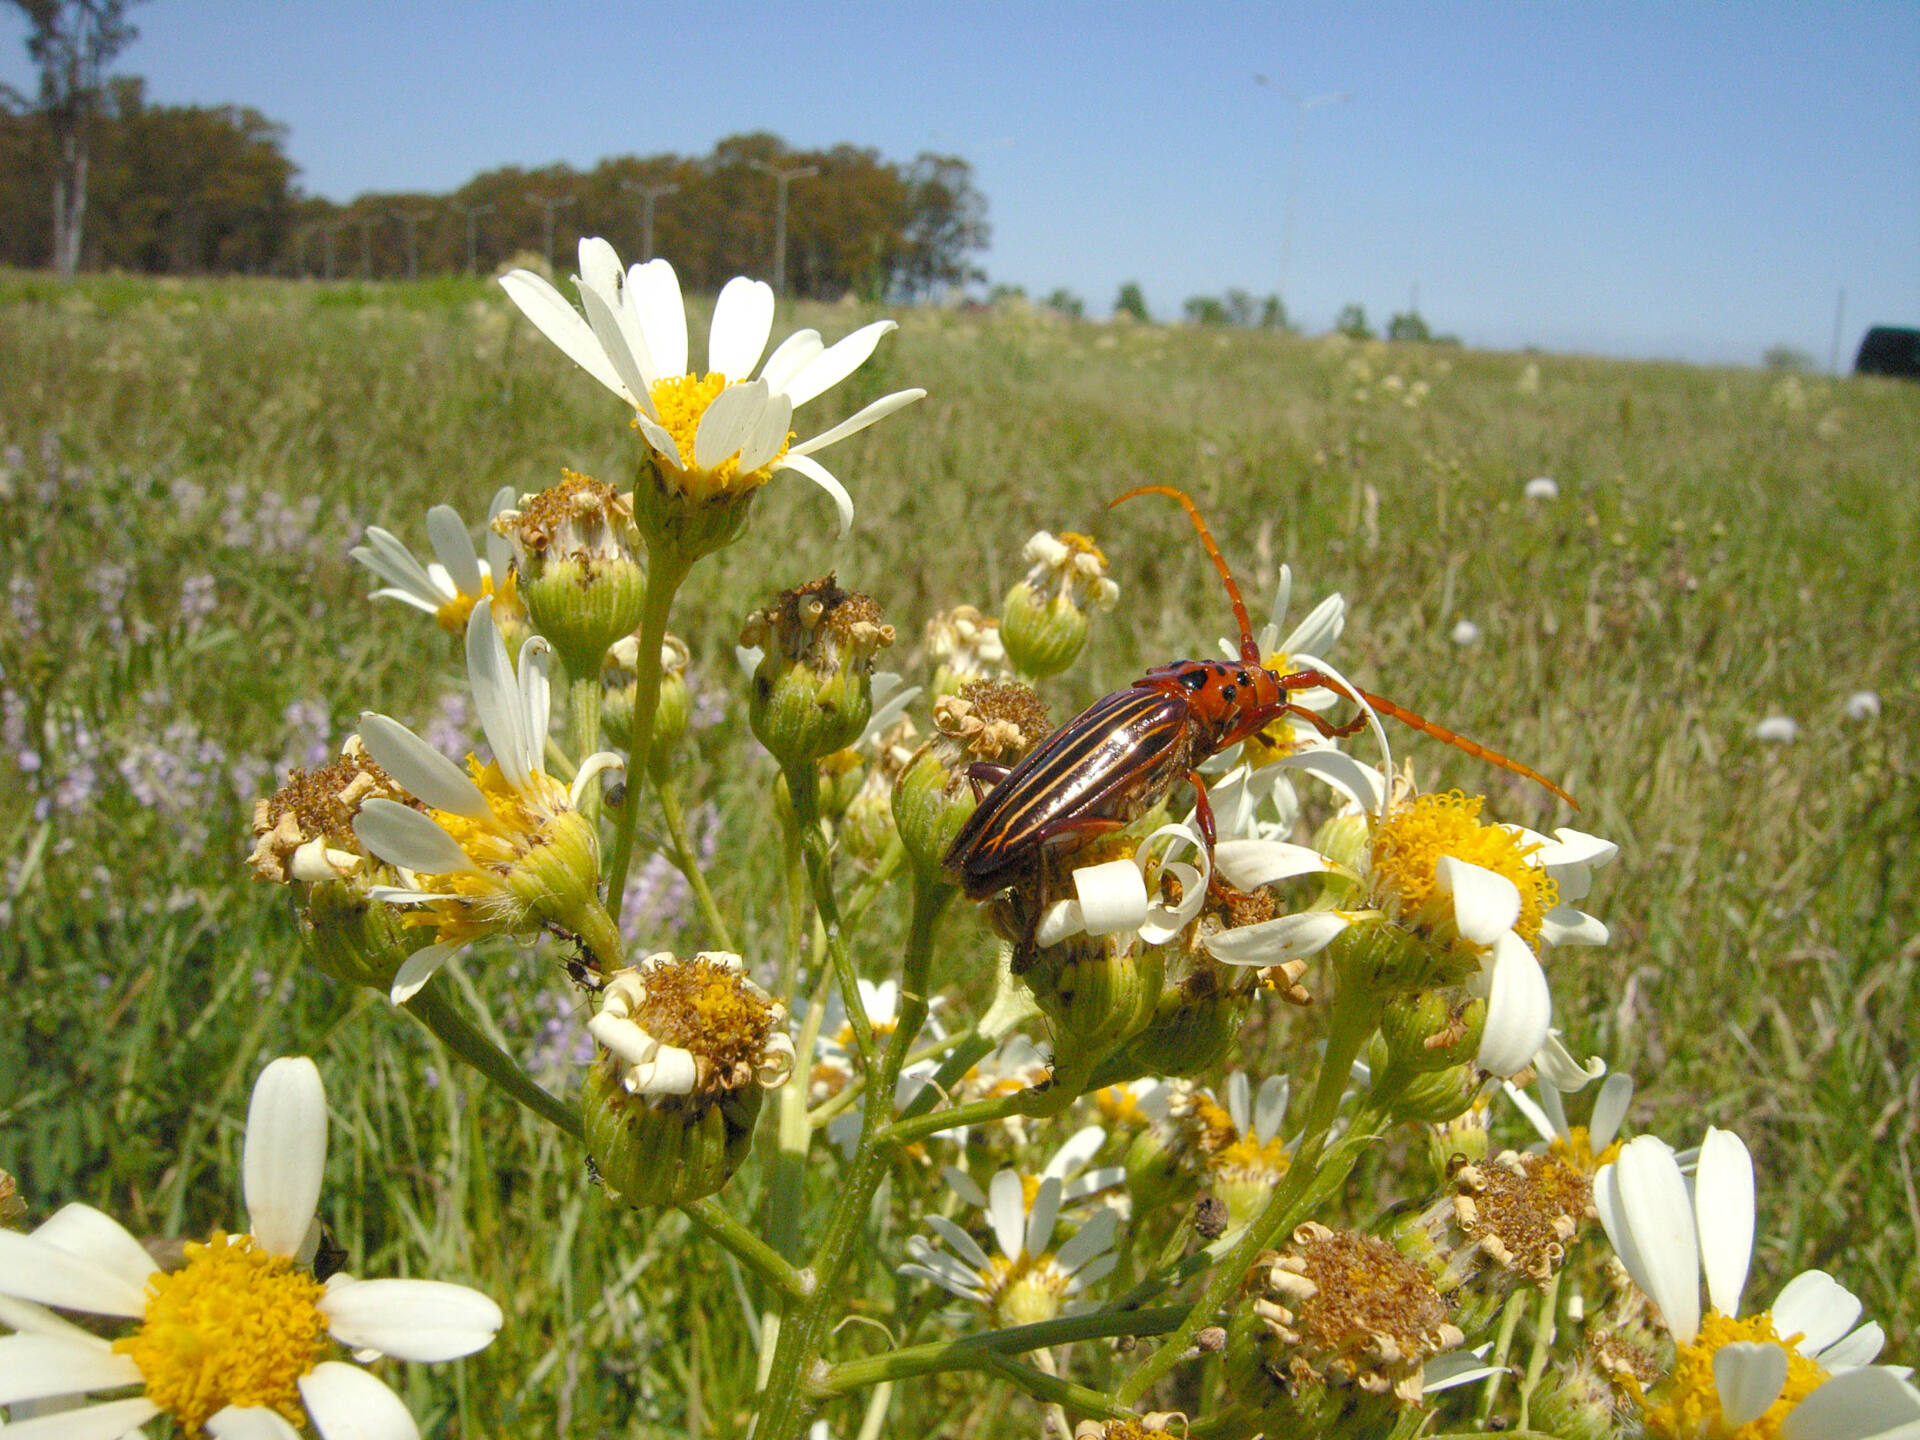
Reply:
x=1889, y=350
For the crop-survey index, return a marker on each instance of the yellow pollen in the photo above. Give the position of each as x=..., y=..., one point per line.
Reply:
x=680, y=401
x=1689, y=1401
x=453, y=615
x=1410, y=841
x=1247, y=1158
x=235, y=1326
x=1576, y=1150
x=1213, y=1126
x=706, y=1010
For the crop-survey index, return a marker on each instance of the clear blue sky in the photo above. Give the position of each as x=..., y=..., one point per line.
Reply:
x=1689, y=180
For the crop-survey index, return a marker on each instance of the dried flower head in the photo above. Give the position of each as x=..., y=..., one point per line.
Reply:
x=694, y=1028
x=304, y=830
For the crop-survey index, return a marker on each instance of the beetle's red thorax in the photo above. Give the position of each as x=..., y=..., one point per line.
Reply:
x=1227, y=700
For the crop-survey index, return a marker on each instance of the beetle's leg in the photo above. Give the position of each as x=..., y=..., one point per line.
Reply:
x=1328, y=730
x=1202, y=810
x=983, y=775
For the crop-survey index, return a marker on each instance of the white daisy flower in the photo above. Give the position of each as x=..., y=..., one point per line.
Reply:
x=1799, y=1364
x=1028, y=1281
x=1558, y=1074
x=718, y=432
x=495, y=848
x=1239, y=1143
x=1541, y=487
x=1777, y=730
x=449, y=587
x=1863, y=705
x=235, y=1341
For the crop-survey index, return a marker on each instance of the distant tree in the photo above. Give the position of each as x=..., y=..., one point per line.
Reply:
x=1131, y=301
x=1408, y=325
x=72, y=42
x=1205, y=310
x=1240, y=307
x=1066, y=302
x=1787, y=360
x=1273, y=314
x=1003, y=291
x=1352, y=322
x=946, y=221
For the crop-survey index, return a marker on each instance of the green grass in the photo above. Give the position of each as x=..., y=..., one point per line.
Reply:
x=1725, y=545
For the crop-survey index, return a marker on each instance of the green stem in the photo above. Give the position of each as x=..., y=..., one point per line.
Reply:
x=718, y=1224
x=1356, y=1013
x=783, y=1409
x=584, y=695
x=1502, y=1348
x=666, y=571
x=689, y=863
x=942, y=1356
x=1052, y=1390
x=803, y=784
x=433, y=1009
x=1543, y=1336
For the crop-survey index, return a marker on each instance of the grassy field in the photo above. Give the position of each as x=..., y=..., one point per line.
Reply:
x=186, y=465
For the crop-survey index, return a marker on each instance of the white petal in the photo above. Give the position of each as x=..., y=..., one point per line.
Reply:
x=1560, y=1071
x=402, y=836
x=949, y=1280
x=536, y=698
x=548, y=309
x=1274, y=942
x=250, y=1422
x=1538, y=1118
x=1564, y=925
x=769, y=433
x=612, y=326
x=31, y=1269
x=653, y=290
x=1861, y=1347
x=347, y=1403
x=496, y=695
x=1817, y=1308
x=1059, y=920
x=1007, y=1212
x=1276, y=616
x=661, y=439
x=836, y=362
x=742, y=321
x=1090, y=1240
x=964, y=1185
x=93, y=1235
x=789, y=358
x=1040, y=1219
x=418, y=968
x=1270, y=1109
x=1519, y=1007
x=406, y=597
x=1319, y=630
x=600, y=265
x=1113, y=897
x=728, y=421
x=1856, y=1405
x=1249, y=864
x=1663, y=1250
x=39, y=1367
x=1362, y=784
x=454, y=547
x=108, y=1421
x=1079, y=1149
x=961, y=1243
x=393, y=562
x=1749, y=1377
x=1609, y=1110
x=591, y=767
x=1456, y=1368
x=1485, y=904
x=285, y=1152
x=426, y=1320
x=1094, y=1271
x=419, y=769
x=855, y=423
x=1576, y=847
x=1723, y=1214
x=818, y=473
x=499, y=548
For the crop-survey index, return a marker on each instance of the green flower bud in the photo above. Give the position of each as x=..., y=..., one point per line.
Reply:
x=1425, y=1032
x=813, y=691
x=1044, y=622
x=619, y=685
x=660, y=1155
x=353, y=939
x=1439, y=1096
x=1193, y=1024
x=578, y=568
x=1094, y=1000
x=867, y=828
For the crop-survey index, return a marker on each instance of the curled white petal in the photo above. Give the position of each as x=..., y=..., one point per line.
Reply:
x=1112, y=897
x=821, y=476
x=1485, y=904
x=1519, y=1007
x=1274, y=942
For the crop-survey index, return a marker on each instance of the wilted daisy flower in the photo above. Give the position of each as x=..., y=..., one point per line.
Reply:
x=963, y=645
x=499, y=848
x=688, y=1049
x=717, y=433
x=1046, y=615
x=449, y=587
x=304, y=830
x=1796, y=1368
x=1028, y=1281
x=240, y=1333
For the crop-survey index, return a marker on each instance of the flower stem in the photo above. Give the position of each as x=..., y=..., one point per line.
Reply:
x=803, y=784
x=718, y=1224
x=942, y=1356
x=433, y=1009
x=783, y=1410
x=584, y=696
x=666, y=570
x=689, y=863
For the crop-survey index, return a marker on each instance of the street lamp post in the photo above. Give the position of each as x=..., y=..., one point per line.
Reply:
x=648, y=195
x=782, y=179
x=410, y=227
x=1301, y=105
x=548, y=204
x=473, y=214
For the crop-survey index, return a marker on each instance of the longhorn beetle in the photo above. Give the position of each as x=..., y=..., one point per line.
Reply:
x=1116, y=758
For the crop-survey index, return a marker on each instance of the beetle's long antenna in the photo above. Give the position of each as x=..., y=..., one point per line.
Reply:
x=1249, y=652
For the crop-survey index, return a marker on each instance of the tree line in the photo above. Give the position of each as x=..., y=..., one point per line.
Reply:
x=190, y=189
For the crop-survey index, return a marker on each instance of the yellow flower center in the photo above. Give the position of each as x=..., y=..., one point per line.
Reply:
x=516, y=824
x=1689, y=1403
x=1577, y=1151
x=708, y=1011
x=680, y=401
x=234, y=1326
x=1410, y=842
x=452, y=617
x=1279, y=739
x=1025, y=1291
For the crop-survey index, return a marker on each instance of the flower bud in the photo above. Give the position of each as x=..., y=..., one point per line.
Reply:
x=686, y=1049
x=619, y=683
x=813, y=690
x=1426, y=1031
x=1044, y=621
x=575, y=553
x=1193, y=1024
x=963, y=646
x=867, y=826
x=1094, y=1000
